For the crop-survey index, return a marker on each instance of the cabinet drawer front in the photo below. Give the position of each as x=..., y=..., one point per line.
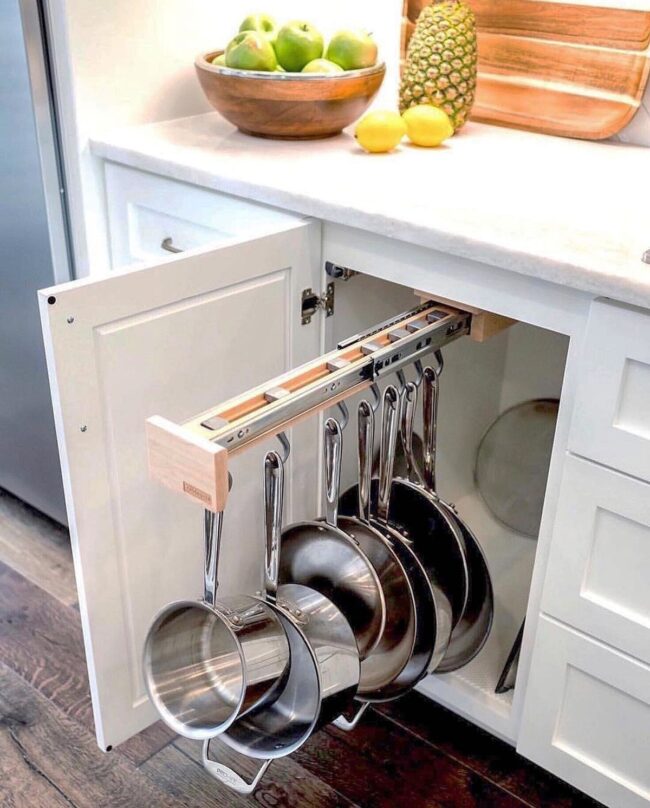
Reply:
x=597, y=578
x=147, y=211
x=611, y=421
x=587, y=716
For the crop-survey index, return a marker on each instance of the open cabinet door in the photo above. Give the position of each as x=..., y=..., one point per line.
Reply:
x=170, y=339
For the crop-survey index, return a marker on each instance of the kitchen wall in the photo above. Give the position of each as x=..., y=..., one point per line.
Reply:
x=131, y=62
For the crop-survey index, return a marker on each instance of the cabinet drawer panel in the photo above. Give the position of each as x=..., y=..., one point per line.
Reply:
x=597, y=577
x=611, y=422
x=587, y=716
x=146, y=211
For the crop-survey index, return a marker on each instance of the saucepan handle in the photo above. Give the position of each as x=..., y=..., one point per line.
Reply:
x=229, y=777
x=348, y=724
x=212, y=525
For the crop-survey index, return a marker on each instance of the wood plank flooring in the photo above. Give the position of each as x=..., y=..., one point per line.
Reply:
x=410, y=752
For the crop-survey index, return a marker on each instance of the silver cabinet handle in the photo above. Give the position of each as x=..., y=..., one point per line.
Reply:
x=168, y=244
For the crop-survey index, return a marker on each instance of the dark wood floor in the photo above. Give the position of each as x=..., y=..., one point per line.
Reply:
x=407, y=753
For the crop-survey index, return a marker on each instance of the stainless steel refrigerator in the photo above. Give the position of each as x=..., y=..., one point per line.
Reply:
x=34, y=253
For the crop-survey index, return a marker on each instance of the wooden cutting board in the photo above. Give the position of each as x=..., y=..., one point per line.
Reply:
x=558, y=68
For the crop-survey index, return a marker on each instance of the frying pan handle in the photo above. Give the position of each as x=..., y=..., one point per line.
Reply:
x=389, y=425
x=408, y=419
x=273, y=503
x=366, y=425
x=348, y=724
x=212, y=526
x=430, y=424
x=332, y=447
x=229, y=777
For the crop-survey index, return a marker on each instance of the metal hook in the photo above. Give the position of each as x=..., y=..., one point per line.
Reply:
x=286, y=446
x=345, y=414
x=376, y=395
x=419, y=372
x=441, y=363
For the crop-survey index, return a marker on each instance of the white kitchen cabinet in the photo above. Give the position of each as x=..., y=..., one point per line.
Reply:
x=151, y=217
x=587, y=716
x=168, y=339
x=611, y=420
x=176, y=337
x=597, y=576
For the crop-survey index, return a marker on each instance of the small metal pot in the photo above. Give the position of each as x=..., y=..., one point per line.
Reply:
x=206, y=663
x=324, y=672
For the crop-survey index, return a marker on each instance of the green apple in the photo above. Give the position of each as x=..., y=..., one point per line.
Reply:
x=262, y=23
x=251, y=50
x=321, y=66
x=297, y=44
x=220, y=60
x=352, y=50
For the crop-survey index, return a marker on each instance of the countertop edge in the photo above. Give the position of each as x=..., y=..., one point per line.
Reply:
x=580, y=277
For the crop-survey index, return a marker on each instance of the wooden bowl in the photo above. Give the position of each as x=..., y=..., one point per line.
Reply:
x=288, y=106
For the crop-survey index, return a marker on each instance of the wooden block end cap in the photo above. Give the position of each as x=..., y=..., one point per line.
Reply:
x=187, y=464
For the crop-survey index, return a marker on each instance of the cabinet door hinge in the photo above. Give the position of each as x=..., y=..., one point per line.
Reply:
x=312, y=302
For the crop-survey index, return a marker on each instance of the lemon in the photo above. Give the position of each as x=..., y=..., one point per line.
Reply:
x=427, y=125
x=380, y=131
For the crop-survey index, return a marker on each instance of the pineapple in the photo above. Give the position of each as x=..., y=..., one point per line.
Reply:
x=441, y=57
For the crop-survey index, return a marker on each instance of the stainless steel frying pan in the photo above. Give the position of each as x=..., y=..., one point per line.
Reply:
x=391, y=680
x=382, y=668
x=425, y=525
x=471, y=633
x=322, y=556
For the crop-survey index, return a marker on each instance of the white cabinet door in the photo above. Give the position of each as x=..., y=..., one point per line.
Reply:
x=611, y=417
x=587, y=716
x=170, y=339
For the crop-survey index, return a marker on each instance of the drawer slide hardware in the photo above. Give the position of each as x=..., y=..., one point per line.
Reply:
x=192, y=457
x=311, y=303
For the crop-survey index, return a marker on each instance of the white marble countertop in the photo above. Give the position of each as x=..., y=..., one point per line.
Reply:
x=571, y=212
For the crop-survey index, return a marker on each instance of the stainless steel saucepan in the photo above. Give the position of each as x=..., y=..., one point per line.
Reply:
x=324, y=671
x=207, y=662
